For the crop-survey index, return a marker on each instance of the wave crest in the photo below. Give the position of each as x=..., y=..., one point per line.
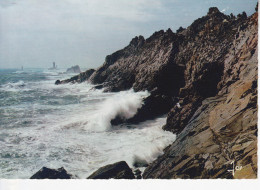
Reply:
x=13, y=86
x=123, y=104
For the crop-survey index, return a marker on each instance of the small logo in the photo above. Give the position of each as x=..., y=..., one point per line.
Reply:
x=235, y=168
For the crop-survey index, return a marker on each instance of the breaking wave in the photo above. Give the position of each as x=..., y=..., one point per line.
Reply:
x=123, y=104
x=14, y=86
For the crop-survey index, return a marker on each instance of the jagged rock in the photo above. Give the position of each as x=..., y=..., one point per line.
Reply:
x=213, y=10
x=82, y=77
x=153, y=106
x=206, y=44
x=118, y=170
x=180, y=29
x=145, y=65
x=207, y=75
x=73, y=69
x=188, y=64
x=138, y=174
x=47, y=173
x=222, y=128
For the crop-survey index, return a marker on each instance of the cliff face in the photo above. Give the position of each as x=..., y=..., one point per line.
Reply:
x=205, y=78
x=143, y=65
x=183, y=67
x=207, y=41
x=224, y=128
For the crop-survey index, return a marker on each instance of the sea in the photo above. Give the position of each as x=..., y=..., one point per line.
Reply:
x=43, y=124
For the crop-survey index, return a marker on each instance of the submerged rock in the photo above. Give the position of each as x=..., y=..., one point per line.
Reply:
x=47, y=173
x=138, y=162
x=138, y=174
x=118, y=170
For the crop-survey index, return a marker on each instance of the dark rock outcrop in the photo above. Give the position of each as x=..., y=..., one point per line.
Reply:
x=47, y=173
x=206, y=44
x=138, y=174
x=143, y=65
x=73, y=69
x=187, y=65
x=82, y=77
x=153, y=106
x=118, y=170
x=220, y=129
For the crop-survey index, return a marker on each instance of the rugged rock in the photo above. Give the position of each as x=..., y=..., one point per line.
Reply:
x=47, y=173
x=153, y=106
x=222, y=128
x=138, y=174
x=143, y=65
x=118, y=170
x=206, y=44
x=78, y=78
x=206, y=77
x=187, y=65
x=73, y=69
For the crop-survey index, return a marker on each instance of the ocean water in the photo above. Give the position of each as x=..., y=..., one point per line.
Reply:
x=42, y=124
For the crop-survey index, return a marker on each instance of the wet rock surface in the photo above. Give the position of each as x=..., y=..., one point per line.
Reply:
x=118, y=170
x=47, y=173
x=153, y=106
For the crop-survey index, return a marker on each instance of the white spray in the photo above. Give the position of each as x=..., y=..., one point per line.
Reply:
x=124, y=104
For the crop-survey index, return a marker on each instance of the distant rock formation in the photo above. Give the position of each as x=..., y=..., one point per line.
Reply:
x=118, y=170
x=73, y=69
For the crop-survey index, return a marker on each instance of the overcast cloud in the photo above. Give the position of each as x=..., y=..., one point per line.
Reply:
x=34, y=33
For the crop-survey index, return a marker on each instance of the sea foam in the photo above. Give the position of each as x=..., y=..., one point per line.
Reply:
x=123, y=104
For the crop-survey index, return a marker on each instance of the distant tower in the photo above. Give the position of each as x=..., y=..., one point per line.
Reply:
x=22, y=68
x=54, y=66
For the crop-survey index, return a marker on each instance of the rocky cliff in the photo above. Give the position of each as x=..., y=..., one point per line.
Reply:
x=205, y=78
x=221, y=129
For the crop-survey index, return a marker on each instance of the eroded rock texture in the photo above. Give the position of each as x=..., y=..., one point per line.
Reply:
x=222, y=128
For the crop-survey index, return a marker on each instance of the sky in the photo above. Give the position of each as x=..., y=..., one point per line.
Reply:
x=34, y=33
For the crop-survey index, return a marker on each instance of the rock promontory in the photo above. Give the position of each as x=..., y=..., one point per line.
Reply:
x=205, y=78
